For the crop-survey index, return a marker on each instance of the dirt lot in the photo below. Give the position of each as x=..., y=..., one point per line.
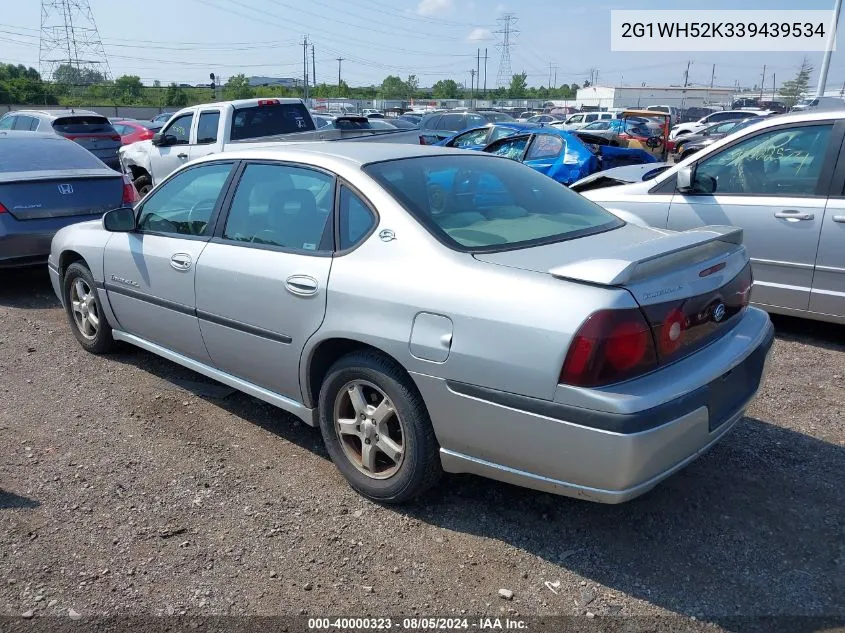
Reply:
x=128, y=486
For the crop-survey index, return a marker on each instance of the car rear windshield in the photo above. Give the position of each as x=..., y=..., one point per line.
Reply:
x=44, y=154
x=481, y=203
x=269, y=120
x=83, y=125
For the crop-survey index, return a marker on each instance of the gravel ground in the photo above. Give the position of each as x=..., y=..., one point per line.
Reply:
x=128, y=486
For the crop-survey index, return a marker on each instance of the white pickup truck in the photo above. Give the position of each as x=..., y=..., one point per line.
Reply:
x=217, y=127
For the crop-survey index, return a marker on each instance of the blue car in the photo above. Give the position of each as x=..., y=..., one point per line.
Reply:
x=563, y=155
x=479, y=137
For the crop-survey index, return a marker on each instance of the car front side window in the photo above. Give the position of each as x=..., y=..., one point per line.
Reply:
x=281, y=206
x=180, y=129
x=184, y=204
x=786, y=161
x=513, y=149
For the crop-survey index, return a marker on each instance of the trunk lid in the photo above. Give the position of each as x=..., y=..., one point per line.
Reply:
x=61, y=194
x=689, y=285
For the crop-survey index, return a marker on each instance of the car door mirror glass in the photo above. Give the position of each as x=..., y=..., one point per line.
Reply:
x=685, y=176
x=120, y=220
x=163, y=140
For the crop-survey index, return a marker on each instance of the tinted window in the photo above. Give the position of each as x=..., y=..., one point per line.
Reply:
x=430, y=121
x=451, y=122
x=207, y=127
x=780, y=162
x=269, y=120
x=83, y=125
x=7, y=122
x=480, y=203
x=592, y=117
x=355, y=219
x=497, y=117
x=183, y=205
x=723, y=116
x=38, y=154
x=121, y=129
x=468, y=139
x=25, y=122
x=278, y=205
x=180, y=127
x=545, y=146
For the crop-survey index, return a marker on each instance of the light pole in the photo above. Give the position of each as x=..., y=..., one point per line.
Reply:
x=828, y=53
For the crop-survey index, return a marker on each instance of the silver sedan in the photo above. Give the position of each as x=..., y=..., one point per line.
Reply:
x=431, y=310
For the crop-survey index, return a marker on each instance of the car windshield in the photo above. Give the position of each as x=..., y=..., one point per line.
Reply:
x=44, y=154
x=481, y=203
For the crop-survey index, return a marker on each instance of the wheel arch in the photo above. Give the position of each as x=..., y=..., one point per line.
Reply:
x=67, y=258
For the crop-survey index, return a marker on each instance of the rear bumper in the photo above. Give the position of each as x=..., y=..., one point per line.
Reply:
x=27, y=242
x=603, y=456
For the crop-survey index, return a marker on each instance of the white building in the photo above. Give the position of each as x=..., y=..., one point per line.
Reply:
x=644, y=96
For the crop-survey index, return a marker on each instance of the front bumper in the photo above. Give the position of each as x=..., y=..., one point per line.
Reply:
x=603, y=456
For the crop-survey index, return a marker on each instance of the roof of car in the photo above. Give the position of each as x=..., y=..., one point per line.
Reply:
x=59, y=113
x=21, y=134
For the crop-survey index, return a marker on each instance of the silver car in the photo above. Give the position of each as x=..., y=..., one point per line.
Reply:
x=782, y=181
x=431, y=309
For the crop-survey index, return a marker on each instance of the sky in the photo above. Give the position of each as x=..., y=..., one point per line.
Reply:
x=185, y=40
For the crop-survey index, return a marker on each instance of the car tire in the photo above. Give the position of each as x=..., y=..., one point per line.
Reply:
x=143, y=184
x=82, y=306
x=384, y=386
x=688, y=153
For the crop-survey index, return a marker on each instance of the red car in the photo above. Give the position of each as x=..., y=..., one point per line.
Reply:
x=134, y=131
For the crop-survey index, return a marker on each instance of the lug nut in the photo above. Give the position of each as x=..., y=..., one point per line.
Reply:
x=366, y=441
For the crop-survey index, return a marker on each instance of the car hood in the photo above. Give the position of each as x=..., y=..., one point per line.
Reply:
x=618, y=176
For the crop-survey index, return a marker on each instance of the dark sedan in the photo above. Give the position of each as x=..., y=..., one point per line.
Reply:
x=46, y=183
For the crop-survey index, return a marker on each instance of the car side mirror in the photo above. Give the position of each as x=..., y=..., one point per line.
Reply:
x=163, y=140
x=685, y=179
x=120, y=220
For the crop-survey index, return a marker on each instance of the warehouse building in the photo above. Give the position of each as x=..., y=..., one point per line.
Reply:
x=604, y=97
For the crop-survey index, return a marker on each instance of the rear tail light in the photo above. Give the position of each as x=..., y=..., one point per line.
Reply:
x=422, y=141
x=130, y=194
x=146, y=135
x=611, y=346
x=3, y=209
x=115, y=137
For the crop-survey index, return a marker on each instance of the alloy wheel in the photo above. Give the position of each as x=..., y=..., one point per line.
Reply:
x=86, y=312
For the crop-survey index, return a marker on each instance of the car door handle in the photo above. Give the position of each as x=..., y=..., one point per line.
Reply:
x=183, y=155
x=181, y=261
x=794, y=215
x=839, y=218
x=301, y=285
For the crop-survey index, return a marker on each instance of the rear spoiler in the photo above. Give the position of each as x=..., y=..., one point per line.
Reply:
x=644, y=259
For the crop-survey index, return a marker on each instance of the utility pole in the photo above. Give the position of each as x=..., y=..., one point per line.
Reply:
x=763, y=84
x=774, y=85
x=550, y=75
x=555, y=83
x=313, y=68
x=477, y=68
x=472, y=82
x=305, y=66
x=485, y=73
x=713, y=77
x=828, y=53
x=686, y=74
x=339, y=61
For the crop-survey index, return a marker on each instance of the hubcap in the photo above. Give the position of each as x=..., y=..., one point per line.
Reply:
x=369, y=429
x=86, y=313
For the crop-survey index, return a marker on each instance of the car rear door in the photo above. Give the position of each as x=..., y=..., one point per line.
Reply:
x=150, y=272
x=774, y=185
x=828, y=294
x=204, y=142
x=261, y=282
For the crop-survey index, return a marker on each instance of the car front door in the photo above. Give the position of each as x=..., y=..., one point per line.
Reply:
x=774, y=185
x=261, y=282
x=166, y=159
x=828, y=294
x=149, y=273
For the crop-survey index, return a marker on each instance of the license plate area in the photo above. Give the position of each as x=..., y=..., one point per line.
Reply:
x=728, y=393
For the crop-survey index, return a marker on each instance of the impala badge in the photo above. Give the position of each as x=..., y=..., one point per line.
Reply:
x=65, y=189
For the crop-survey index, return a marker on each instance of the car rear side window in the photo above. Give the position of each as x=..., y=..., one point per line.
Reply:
x=184, y=204
x=269, y=120
x=282, y=206
x=26, y=123
x=452, y=122
x=480, y=203
x=354, y=217
x=207, y=127
x=83, y=125
x=468, y=139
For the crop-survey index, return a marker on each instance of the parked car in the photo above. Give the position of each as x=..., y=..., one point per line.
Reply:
x=745, y=102
x=89, y=129
x=778, y=180
x=673, y=111
x=577, y=121
x=564, y=156
x=618, y=130
x=820, y=103
x=597, y=386
x=542, y=119
x=478, y=138
x=412, y=117
x=522, y=117
x=777, y=107
x=493, y=116
x=445, y=124
x=134, y=131
x=688, y=144
x=691, y=115
x=162, y=118
x=402, y=123
x=716, y=117
x=46, y=183
x=370, y=113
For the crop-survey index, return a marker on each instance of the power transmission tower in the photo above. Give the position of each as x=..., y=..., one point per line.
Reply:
x=508, y=31
x=69, y=37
